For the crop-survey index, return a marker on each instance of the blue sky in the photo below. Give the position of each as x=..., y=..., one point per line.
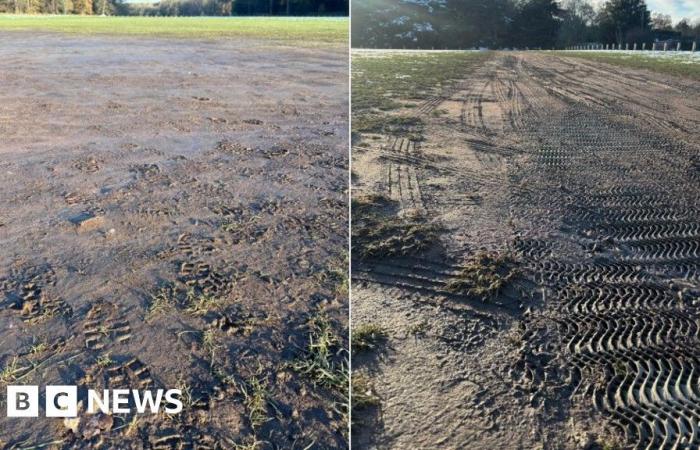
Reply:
x=677, y=9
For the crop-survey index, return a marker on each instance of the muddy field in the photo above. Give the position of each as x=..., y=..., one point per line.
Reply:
x=173, y=214
x=539, y=284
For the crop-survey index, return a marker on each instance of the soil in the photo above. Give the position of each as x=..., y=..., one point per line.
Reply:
x=587, y=175
x=172, y=215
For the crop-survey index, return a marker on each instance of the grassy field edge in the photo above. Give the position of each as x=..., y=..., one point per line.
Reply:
x=680, y=66
x=298, y=30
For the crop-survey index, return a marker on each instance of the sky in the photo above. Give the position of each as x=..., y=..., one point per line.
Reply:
x=677, y=9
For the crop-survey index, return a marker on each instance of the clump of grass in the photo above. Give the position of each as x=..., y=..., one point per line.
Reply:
x=376, y=233
x=210, y=345
x=39, y=348
x=363, y=395
x=418, y=329
x=484, y=276
x=256, y=398
x=324, y=362
x=609, y=446
x=388, y=124
x=252, y=444
x=337, y=274
x=393, y=237
x=10, y=371
x=200, y=305
x=319, y=361
x=161, y=302
x=188, y=398
x=364, y=399
x=367, y=337
x=104, y=361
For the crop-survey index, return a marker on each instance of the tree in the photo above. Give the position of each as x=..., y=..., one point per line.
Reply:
x=624, y=20
x=578, y=23
x=536, y=24
x=82, y=7
x=661, y=21
x=686, y=29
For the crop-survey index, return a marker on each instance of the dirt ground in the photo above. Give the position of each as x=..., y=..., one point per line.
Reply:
x=173, y=214
x=585, y=178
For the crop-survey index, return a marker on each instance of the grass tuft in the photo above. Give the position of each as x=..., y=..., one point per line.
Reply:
x=200, y=305
x=363, y=395
x=376, y=233
x=256, y=399
x=367, y=337
x=324, y=362
x=484, y=275
x=10, y=371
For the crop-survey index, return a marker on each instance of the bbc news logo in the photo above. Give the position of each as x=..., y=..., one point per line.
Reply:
x=62, y=401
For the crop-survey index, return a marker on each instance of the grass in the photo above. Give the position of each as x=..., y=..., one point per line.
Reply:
x=411, y=127
x=210, y=344
x=200, y=305
x=367, y=337
x=318, y=362
x=309, y=31
x=324, y=360
x=39, y=348
x=256, y=398
x=105, y=360
x=484, y=275
x=384, y=82
x=676, y=65
x=337, y=275
x=10, y=371
x=393, y=237
x=363, y=394
x=378, y=233
x=161, y=302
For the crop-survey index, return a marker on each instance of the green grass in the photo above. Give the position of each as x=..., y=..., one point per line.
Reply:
x=389, y=81
x=324, y=361
x=309, y=31
x=256, y=398
x=677, y=65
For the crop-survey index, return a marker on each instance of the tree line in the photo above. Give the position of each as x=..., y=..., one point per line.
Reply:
x=545, y=24
x=177, y=7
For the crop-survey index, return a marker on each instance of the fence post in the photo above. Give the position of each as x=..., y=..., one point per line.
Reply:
x=678, y=46
x=644, y=45
x=695, y=46
x=665, y=46
x=627, y=46
x=634, y=48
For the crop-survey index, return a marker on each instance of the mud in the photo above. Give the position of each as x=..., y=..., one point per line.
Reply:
x=587, y=175
x=172, y=215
